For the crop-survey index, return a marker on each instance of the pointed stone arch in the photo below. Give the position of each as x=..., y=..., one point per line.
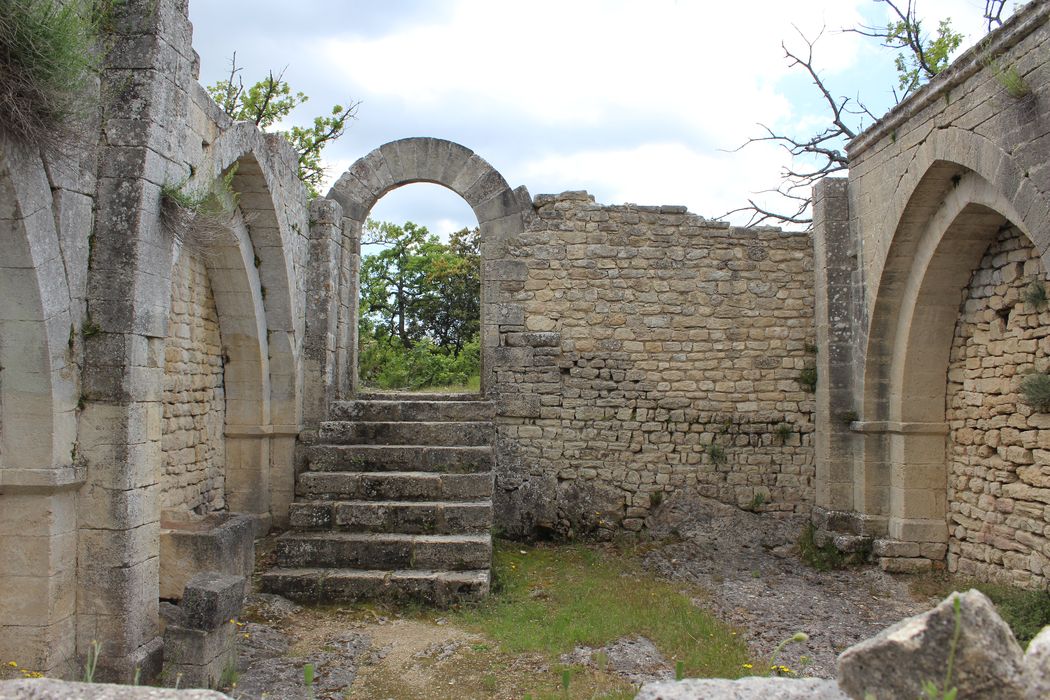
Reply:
x=38, y=399
x=950, y=216
x=261, y=312
x=498, y=208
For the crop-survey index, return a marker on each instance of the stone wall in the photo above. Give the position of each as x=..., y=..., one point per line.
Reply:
x=656, y=351
x=941, y=449
x=192, y=441
x=998, y=447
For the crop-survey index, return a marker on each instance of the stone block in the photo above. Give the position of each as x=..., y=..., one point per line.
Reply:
x=212, y=599
x=221, y=542
x=896, y=662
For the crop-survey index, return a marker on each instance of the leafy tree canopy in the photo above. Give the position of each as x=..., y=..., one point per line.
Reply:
x=268, y=102
x=417, y=288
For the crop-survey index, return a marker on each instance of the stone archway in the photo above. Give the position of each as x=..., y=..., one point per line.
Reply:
x=900, y=475
x=38, y=397
x=261, y=312
x=499, y=211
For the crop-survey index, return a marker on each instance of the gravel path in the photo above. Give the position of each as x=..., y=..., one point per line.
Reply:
x=749, y=563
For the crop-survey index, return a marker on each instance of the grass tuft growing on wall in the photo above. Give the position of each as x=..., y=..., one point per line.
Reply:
x=1035, y=389
x=47, y=56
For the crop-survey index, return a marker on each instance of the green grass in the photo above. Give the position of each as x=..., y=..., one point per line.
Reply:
x=472, y=386
x=1025, y=611
x=551, y=599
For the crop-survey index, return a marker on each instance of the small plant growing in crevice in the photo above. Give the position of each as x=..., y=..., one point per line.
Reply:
x=848, y=417
x=1010, y=80
x=90, y=329
x=199, y=218
x=807, y=379
x=716, y=453
x=757, y=501
x=655, y=499
x=825, y=558
x=1035, y=294
x=783, y=432
x=1035, y=389
x=91, y=663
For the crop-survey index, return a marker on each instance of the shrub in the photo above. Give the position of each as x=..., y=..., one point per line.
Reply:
x=1035, y=388
x=388, y=364
x=716, y=453
x=1035, y=294
x=47, y=54
x=807, y=379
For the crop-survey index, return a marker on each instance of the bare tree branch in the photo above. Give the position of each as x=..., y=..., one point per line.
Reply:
x=993, y=12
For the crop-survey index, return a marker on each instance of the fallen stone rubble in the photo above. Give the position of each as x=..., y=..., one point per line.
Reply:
x=963, y=632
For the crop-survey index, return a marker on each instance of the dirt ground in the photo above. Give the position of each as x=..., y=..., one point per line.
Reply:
x=746, y=562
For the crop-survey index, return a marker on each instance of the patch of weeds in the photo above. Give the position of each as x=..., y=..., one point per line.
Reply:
x=1035, y=294
x=826, y=558
x=757, y=501
x=1010, y=80
x=199, y=218
x=783, y=432
x=591, y=597
x=807, y=379
x=47, y=56
x=656, y=498
x=848, y=417
x=90, y=329
x=716, y=453
x=1026, y=611
x=1035, y=389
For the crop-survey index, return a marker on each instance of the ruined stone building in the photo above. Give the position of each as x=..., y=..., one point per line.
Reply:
x=867, y=372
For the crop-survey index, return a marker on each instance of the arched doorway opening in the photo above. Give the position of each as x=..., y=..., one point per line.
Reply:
x=420, y=301
x=497, y=208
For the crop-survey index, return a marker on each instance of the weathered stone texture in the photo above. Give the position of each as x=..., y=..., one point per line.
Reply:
x=194, y=398
x=999, y=447
x=639, y=337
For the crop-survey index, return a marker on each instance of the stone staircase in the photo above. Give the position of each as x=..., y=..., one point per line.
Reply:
x=395, y=504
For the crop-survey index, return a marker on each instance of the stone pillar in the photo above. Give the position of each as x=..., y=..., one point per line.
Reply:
x=320, y=348
x=835, y=408
x=128, y=302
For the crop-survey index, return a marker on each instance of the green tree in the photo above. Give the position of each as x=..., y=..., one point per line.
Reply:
x=395, y=281
x=268, y=102
x=418, y=287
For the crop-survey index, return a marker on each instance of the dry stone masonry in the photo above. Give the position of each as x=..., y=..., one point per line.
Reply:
x=655, y=351
x=999, y=463
x=923, y=258
x=194, y=397
x=628, y=352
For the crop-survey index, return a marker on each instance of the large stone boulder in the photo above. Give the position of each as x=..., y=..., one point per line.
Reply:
x=52, y=689
x=894, y=664
x=751, y=688
x=1037, y=661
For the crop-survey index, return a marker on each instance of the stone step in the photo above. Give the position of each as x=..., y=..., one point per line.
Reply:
x=448, y=433
x=400, y=458
x=411, y=517
x=387, y=552
x=433, y=411
x=387, y=486
x=411, y=397
x=440, y=588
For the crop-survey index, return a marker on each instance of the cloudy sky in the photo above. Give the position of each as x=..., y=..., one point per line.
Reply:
x=634, y=101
